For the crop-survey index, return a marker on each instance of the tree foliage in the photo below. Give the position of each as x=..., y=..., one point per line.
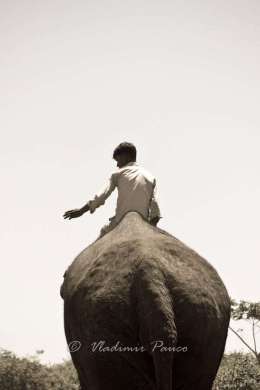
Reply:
x=238, y=371
x=29, y=374
x=245, y=310
x=249, y=311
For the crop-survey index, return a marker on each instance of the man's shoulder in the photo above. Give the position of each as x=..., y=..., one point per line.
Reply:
x=114, y=176
x=140, y=170
x=145, y=172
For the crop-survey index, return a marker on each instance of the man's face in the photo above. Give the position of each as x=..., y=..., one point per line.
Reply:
x=122, y=159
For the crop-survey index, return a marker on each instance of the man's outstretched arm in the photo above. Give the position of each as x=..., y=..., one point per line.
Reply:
x=97, y=201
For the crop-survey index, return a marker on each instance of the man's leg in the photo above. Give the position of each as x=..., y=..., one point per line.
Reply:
x=107, y=228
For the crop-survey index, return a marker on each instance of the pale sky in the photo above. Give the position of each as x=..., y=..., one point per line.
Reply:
x=179, y=79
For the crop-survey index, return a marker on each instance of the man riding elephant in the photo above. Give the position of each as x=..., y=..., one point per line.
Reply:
x=137, y=190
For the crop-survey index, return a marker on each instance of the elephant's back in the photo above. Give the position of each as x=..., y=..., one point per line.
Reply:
x=108, y=267
x=113, y=286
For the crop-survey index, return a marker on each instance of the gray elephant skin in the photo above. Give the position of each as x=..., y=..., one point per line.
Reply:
x=144, y=311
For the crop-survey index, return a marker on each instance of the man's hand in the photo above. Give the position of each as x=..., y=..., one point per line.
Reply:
x=76, y=212
x=73, y=213
x=154, y=221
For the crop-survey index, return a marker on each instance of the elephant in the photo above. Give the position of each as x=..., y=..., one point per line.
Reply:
x=142, y=310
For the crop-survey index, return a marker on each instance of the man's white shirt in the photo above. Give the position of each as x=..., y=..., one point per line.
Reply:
x=137, y=191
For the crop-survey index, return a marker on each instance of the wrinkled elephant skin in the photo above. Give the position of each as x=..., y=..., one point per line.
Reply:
x=144, y=311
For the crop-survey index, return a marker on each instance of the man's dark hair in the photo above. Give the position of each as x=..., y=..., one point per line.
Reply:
x=125, y=148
